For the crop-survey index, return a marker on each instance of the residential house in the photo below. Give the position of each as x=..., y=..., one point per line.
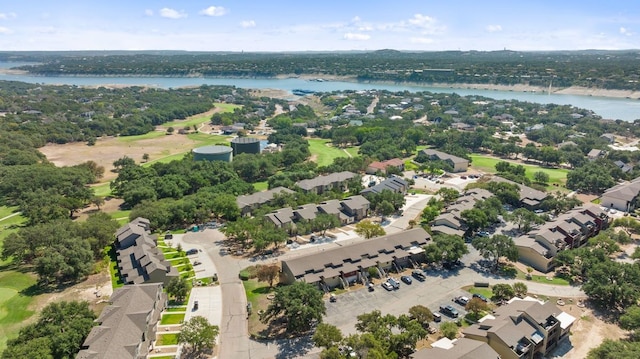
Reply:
x=138, y=256
x=523, y=329
x=570, y=230
x=320, y=184
x=625, y=168
x=394, y=184
x=127, y=326
x=341, y=266
x=381, y=166
x=623, y=196
x=459, y=164
x=461, y=348
x=535, y=127
x=595, y=153
x=348, y=210
x=609, y=137
x=450, y=221
x=529, y=198
x=248, y=203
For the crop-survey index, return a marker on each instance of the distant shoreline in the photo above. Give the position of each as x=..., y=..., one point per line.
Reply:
x=573, y=90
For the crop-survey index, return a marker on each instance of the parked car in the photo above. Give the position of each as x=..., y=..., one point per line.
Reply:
x=449, y=311
x=461, y=300
x=482, y=297
x=419, y=275
x=387, y=286
x=195, y=305
x=394, y=283
x=432, y=329
x=406, y=279
x=437, y=317
x=197, y=263
x=451, y=265
x=192, y=251
x=370, y=286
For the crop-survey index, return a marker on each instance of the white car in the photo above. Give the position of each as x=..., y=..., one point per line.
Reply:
x=387, y=286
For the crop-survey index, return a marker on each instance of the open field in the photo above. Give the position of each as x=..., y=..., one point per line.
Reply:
x=324, y=154
x=157, y=144
x=203, y=117
x=261, y=186
x=487, y=164
x=14, y=303
x=353, y=151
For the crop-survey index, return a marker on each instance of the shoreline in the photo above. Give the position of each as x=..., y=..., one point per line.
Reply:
x=573, y=90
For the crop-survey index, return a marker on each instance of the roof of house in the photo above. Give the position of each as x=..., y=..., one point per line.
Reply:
x=595, y=153
x=450, y=218
x=447, y=230
x=349, y=258
x=355, y=203
x=462, y=348
x=122, y=323
x=625, y=191
x=382, y=165
x=308, y=211
x=394, y=184
x=528, y=194
x=281, y=217
x=327, y=180
x=258, y=198
x=444, y=156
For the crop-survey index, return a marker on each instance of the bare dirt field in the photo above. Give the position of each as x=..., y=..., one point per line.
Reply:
x=589, y=331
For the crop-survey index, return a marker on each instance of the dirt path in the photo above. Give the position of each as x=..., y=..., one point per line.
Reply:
x=373, y=105
x=347, y=152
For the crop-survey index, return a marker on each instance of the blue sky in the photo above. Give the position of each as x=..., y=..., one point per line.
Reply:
x=283, y=25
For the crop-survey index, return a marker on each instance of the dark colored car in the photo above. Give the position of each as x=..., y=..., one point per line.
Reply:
x=195, y=305
x=406, y=279
x=449, y=311
x=419, y=275
x=482, y=297
x=192, y=251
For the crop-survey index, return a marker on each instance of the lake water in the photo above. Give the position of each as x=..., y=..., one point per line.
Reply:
x=609, y=108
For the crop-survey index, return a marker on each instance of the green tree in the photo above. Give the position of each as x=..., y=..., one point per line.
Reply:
x=61, y=329
x=524, y=218
x=300, y=303
x=613, y=285
x=496, y=247
x=178, y=288
x=613, y=349
x=449, y=330
x=198, y=334
x=421, y=314
x=368, y=229
x=475, y=218
x=326, y=336
x=630, y=320
x=268, y=273
x=476, y=306
x=324, y=222
x=448, y=195
x=541, y=177
x=502, y=292
x=445, y=248
x=520, y=289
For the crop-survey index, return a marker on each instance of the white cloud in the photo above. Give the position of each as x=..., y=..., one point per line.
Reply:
x=365, y=28
x=625, y=31
x=356, y=19
x=213, y=11
x=421, y=40
x=172, y=14
x=5, y=31
x=420, y=20
x=248, y=23
x=493, y=28
x=356, y=37
x=148, y=12
x=10, y=15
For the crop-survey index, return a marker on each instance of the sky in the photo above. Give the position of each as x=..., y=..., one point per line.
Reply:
x=321, y=25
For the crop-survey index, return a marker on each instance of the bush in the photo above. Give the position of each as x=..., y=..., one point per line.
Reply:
x=244, y=275
x=249, y=273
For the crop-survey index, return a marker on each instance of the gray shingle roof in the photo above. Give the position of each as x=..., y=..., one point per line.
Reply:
x=327, y=180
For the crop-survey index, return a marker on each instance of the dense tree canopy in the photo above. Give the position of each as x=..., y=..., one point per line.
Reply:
x=300, y=303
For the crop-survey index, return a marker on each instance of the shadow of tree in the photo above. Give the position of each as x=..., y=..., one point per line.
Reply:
x=294, y=347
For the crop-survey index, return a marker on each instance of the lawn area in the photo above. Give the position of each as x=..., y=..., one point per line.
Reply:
x=12, y=221
x=167, y=339
x=353, y=151
x=120, y=214
x=201, y=118
x=116, y=282
x=146, y=136
x=207, y=139
x=261, y=186
x=177, y=309
x=487, y=164
x=542, y=279
x=324, y=154
x=166, y=159
x=13, y=303
x=6, y=211
x=102, y=189
x=257, y=296
x=172, y=319
x=487, y=292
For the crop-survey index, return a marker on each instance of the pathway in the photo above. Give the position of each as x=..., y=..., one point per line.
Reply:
x=14, y=214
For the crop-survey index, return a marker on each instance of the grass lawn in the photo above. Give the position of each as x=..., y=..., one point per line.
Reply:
x=207, y=139
x=120, y=214
x=166, y=159
x=542, y=279
x=487, y=164
x=7, y=211
x=257, y=296
x=261, y=186
x=172, y=319
x=102, y=189
x=13, y=303
x=324, y=154
x=177, y=309
x=146, y=136
x=116, y=282
x=167, y=339
x=353, y=151
x=201, y=118
x=487, y=292
x=16, y=220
